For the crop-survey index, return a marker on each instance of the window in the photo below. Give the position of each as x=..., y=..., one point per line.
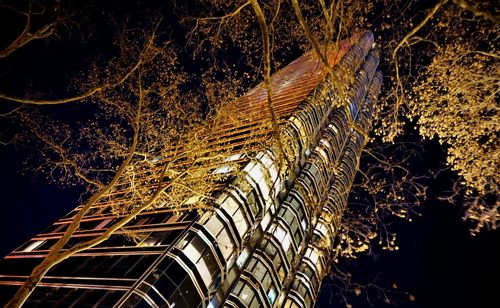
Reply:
x=312, y=255
x=193, y=249
x=306, y=121
x=225, y=244
x=271, y=295
x=283, y=237
x=141, y=221
x=257, y=175
x=353, y=108
x=322, y=229
x=306, y=180
x=246, y=193
x=223, y=170
x=252, y=202
x=290, y=304
x=266, y=159
x=306, y=270
x=303, y=224
x=296, y=202
x=265, y=221
x=323, y=153
x=103, y=223
x=301, y=289
x=173, y=218
x=266, y=281
x=184, y=240
x=333, y=127
x=213, y=303
x=270, y=250
x=152, y=239
x=246, y=295
x=33, y=245
x=259, y=271
x=240, y=262
x=204, y=271
x=314, y=116
x=234, y=210
x=214, y=225
x=286, y=215
x=192, y=200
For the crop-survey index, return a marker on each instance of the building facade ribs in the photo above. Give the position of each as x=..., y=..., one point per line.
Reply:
x=269, y=240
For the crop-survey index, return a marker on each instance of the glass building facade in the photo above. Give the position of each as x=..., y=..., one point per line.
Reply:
x=269, y=239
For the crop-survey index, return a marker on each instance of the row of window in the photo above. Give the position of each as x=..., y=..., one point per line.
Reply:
x=143, y=220
x=66, y=297
x=287, y=232
x=306, y=283
x=358, y=90
x=284, y=237
x=366, y=113
x=144, y=227
x=88, y=280
x=352, y=59
x=371, y=97
x=308, y=280
x=306, y=122
x=270, y=263
x=307, y=288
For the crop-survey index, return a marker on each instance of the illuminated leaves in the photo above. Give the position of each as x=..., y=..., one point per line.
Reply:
x=457, y=102
x=444, y=79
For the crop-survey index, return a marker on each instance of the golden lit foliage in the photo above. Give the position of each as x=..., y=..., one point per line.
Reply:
x=457, y=101
x=127, y=157
x=144, y=146
x=445, y=76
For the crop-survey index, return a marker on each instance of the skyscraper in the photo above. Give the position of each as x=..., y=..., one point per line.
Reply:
x=268, y=239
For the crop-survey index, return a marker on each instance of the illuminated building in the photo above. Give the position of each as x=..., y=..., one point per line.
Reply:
x=268, y=241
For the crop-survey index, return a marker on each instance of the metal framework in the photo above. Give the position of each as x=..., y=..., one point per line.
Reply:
x=267, y=242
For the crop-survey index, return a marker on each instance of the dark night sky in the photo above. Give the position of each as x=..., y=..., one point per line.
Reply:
x=438, y=261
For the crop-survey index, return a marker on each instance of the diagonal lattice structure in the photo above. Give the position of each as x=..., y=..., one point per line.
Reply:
x=268, y=240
